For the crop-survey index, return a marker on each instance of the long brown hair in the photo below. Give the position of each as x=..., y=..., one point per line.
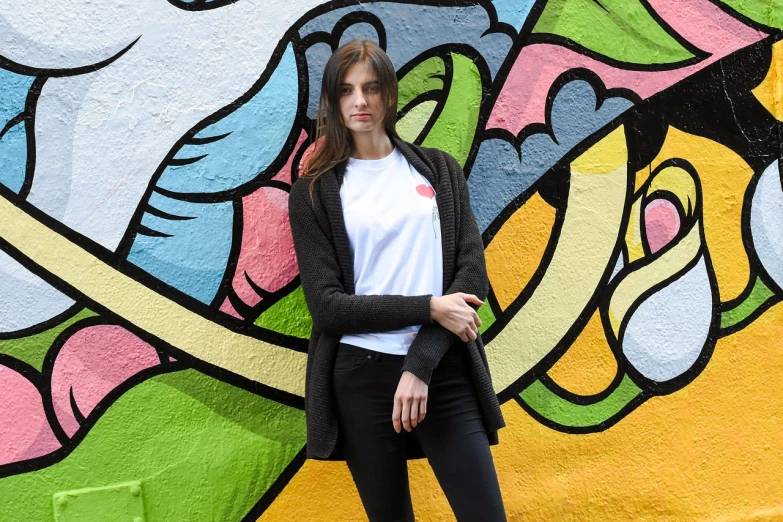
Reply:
x=333, y=139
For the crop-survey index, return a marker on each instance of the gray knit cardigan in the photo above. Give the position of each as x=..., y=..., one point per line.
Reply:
x=326, y=273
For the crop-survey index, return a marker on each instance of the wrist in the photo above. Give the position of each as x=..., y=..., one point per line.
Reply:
x=434, y=308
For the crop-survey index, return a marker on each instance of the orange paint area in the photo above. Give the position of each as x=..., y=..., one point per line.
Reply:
x=515, y=252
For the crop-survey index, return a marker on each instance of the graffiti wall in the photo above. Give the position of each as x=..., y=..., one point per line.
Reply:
x=624, y=165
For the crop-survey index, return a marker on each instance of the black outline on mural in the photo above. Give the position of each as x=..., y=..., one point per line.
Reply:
x=583, y=400
x=355, y=18
x=560, y=348
x=653, y=388
x=602, y=94
x=30, y=105
x=276, y=488
x=648, y=388
x=44, y=325
x=726, y=8
x=12, y=66
x=42, y=381
x=134, y=272
x=201, y=5
x=491, y=92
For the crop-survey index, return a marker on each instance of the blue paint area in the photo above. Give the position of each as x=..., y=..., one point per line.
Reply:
x=410, y=31
x=13, y=144
x=194, y=254
x=498, y=175
x=513, y=12
x=254, y=136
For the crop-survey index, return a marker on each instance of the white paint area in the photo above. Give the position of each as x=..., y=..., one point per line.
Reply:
x=766, y=222
x=668, y=331
x=101, y=136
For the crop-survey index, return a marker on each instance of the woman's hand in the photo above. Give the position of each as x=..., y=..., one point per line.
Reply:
x=455, y=314
x=410, y=402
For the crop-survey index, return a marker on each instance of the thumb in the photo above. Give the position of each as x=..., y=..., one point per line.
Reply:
x=470, y=298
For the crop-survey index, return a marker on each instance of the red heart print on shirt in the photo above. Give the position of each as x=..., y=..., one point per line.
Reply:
x=425, y=190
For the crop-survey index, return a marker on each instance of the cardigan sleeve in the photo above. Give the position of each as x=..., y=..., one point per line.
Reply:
x=334, y=311
x=432, y=341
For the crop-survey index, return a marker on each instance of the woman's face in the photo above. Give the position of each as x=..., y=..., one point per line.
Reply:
x=360, y=100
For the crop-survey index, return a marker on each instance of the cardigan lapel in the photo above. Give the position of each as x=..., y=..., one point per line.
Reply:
x=330, y=191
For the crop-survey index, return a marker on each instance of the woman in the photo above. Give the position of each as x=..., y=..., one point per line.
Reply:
x=392, y=268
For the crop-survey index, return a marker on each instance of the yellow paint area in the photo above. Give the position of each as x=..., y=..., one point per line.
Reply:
x=641, y=178
x=325, y=492
x=591, y=226
x=608, y=155
x=713, y=447
x=633, y=232
x=174, y=324
x=724, y=177
x=678, y=182
x=515, y=252
x=770, y=91
x=588, y=366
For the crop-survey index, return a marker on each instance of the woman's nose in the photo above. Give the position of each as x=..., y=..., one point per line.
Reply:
x=360, y=101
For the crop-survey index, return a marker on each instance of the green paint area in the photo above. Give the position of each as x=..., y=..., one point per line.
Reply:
x=410, y=126
x=116, y=503
x=425, y=77
x=758, y=296
x=621, y=30
x=33, y=348
x=455, y=128
x=766, y=12
x=486, y=315
x=458, y=97
x=288, y=316
x=202, y=450
x=566, y=414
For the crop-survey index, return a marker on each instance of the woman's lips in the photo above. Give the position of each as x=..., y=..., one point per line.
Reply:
x=361, y=116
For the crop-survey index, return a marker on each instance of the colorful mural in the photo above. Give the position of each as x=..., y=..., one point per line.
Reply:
x=624, y=166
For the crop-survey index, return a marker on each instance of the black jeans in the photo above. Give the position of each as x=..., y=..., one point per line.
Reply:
x=452, y=436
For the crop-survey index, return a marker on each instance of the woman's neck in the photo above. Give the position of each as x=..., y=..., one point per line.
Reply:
x=371, y=146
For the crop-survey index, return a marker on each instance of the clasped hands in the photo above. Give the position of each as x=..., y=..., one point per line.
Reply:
x=455, y=314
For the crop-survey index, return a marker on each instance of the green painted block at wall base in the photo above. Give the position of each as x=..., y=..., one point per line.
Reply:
x=115, y=503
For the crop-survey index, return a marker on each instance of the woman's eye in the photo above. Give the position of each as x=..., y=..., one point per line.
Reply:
x=374, y=89
x=345, y=90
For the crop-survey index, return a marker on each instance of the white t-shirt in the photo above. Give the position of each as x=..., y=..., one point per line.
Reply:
x=393, y=227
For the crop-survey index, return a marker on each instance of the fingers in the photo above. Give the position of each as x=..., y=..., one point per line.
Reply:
x=396, y=412
x=406, y=414
x=422, y=409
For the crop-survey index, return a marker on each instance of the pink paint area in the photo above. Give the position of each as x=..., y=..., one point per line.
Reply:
x=94, y=361
x=228, y=308
x=24, y=429
x=661, y=223
x=523, y=98
x=266, y=256
x=285, y=173
x=309, y=152
x=426, y=191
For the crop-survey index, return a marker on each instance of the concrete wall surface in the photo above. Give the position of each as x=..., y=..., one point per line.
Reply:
x=624, y=162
